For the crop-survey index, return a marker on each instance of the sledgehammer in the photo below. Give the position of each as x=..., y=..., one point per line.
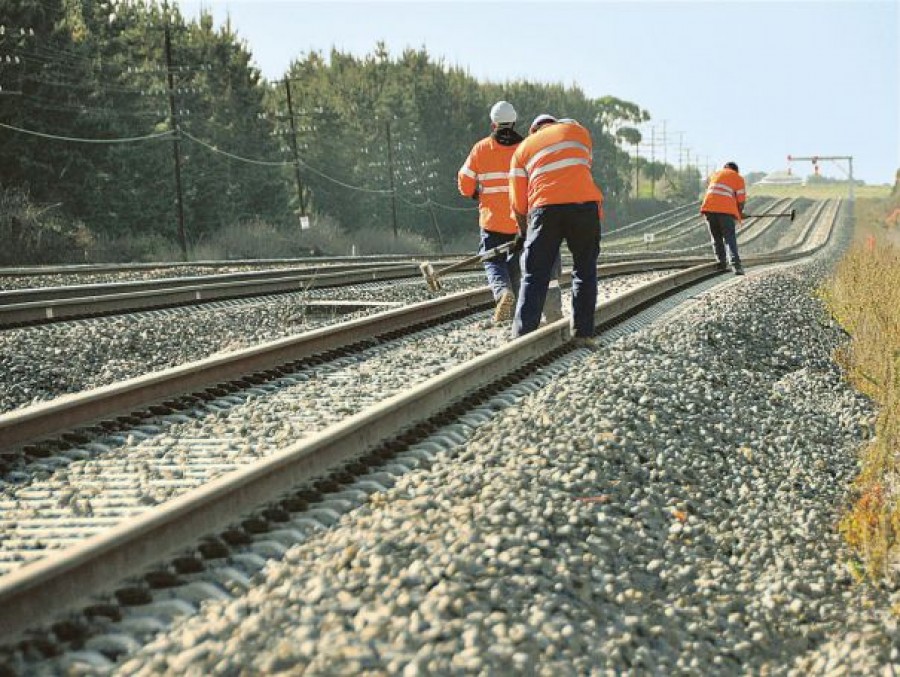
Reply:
x=792, y=214
x=432, y=276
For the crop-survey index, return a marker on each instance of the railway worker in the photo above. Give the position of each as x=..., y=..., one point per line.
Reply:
x=485, y=177
x=722, y=205
x=554, y=198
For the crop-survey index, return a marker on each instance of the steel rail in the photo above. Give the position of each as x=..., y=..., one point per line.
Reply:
x=61, y=580
x=28, y=295
x=56, y=310
x=653, y=221
x=745, y=235
x=687, y=227
x=31, y=307
x=373, y=259
x=81, y=268
x=52, y=585
x=810, y=224
x=70, y=411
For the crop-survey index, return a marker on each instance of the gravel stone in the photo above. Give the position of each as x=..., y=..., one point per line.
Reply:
x=663, y=505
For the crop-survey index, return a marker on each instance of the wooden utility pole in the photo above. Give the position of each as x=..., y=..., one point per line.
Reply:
x=176, y=150
x=637, y=174
x=287, y=90
x=390, y=152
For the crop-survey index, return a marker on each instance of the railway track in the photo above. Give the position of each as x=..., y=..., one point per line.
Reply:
x=190, y=445
x=29, y=307
x=40, y=590
x=39, y=305
x=34, y=277
x=143, y=271
x=60, y=304
x=677, y=225
x=74, y=410
x=690, y=233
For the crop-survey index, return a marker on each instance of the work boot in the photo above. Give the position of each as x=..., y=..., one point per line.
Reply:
x=738, y=269
x=721, y=265
x=506, y=304
x=584, y=342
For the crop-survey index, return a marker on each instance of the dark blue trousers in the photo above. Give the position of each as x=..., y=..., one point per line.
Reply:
x=579, y=226
x=502, y=271
x=722, y=232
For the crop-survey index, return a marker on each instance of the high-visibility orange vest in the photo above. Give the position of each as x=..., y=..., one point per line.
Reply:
x=487, y=171
x=552, y=167
x=725, y=194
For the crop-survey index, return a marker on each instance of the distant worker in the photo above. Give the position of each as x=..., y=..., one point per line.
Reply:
x=485, y=177
x=554, y=198
x=722, y=205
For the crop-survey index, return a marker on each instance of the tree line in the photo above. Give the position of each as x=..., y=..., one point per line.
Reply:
x=90, y=127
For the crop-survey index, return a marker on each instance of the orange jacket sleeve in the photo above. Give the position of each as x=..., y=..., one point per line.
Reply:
x=518, y=185
x=467, y=177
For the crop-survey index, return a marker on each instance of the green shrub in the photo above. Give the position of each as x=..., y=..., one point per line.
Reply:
x=33, y=234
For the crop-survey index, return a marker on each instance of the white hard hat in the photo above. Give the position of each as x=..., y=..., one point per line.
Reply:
x=541, y=119
x=502, y=113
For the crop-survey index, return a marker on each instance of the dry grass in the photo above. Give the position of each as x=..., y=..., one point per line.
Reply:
x=864, y=297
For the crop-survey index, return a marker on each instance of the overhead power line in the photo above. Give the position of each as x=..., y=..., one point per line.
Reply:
x=58, y=137
x=239, y=158
x=283, y=163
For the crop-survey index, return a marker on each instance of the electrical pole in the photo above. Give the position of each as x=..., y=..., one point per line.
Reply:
x=390, y=151
x=665, y=147
x=176, y=150
x=287, y=90
x=637, y=174
x=653, y=162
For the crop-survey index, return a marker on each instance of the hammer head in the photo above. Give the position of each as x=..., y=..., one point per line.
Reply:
x=793, y=215
x=434, y=284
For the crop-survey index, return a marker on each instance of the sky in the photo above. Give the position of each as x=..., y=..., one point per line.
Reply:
x=751, y=81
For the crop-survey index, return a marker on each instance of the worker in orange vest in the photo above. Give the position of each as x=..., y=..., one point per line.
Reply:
x=554, y=198
x=485, y=177
x=722, y=205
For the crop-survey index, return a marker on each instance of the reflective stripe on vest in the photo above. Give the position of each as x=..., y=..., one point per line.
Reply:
x=560, y=164
x=720, y=189
x=468, y=172
x=562, y=145
x=488, y=176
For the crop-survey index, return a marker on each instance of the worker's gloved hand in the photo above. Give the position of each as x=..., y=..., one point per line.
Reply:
x=518, y=244
x=476, y=194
